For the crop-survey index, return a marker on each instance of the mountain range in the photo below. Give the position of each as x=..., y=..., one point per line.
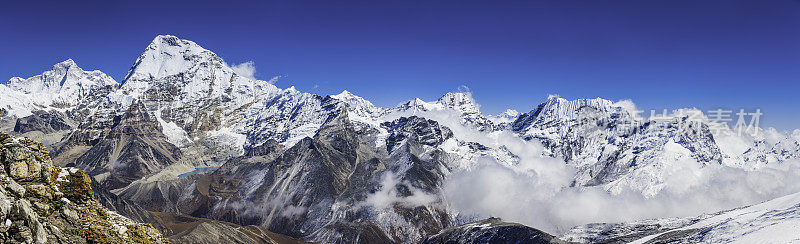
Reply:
x=185, y=139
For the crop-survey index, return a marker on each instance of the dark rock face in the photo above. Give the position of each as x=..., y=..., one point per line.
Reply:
x=309, y=176
x=132, y=148
x=43, y=121
x=492, y=230
x=315, y=190
x=425, y=131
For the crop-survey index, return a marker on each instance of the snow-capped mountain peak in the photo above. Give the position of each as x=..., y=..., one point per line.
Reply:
x=345, y=95
x=184, y=68
x=62, y=76
x=460, y=101
x=66, y=63
x=165, y=56
x=559, y=113
x=507, y=116
x=352, y=99
x=358, y=106
x=64, y=85
x=182, y=108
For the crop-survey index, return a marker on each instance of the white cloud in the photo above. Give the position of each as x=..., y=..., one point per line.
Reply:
x=523, y=196
x=629, y=106
x=537, y=190
x=387, y=196
x=246, y=69
x=273, y=80
x=464, y=89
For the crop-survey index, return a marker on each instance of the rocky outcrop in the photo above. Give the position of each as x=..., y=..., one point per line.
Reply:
x=126, y=208
x=43, y=121
x=40, y=203
x=492, y=230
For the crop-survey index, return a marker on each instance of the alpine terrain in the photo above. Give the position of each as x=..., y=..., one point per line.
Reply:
x=205, y=155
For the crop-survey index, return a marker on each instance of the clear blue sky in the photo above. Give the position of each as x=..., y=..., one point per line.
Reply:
x=661, y=54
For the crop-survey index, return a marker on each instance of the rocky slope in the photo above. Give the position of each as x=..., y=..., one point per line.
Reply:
x=774, y=221
x=316, y=189
x=492, y=230
x=220, y=232
x=40, y=203
x=187, y=229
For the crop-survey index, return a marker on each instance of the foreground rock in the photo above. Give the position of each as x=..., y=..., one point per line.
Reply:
x=492, y=230
x=43, y=204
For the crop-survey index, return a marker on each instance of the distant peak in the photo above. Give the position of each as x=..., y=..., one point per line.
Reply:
x=170, y=42
x=457, y=96
x=65, y=82
x=15, y=79
x=345, y=95
x=168, y=39
x=461, y=101
x=66, y=64
x=167, y=55
x=510, y=112
x=555, y=98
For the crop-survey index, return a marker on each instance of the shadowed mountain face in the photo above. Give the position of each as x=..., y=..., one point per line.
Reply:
x=322, y=183
x=132, y=148
x=184, y=136
x=492, y=230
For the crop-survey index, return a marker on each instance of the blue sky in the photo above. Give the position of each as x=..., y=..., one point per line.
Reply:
x=661, y=54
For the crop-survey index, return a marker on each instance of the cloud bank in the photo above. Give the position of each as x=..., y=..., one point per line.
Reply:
x=537, y=190
x=246, y=69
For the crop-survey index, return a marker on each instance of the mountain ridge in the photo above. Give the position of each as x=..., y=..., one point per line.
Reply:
x=184, y=134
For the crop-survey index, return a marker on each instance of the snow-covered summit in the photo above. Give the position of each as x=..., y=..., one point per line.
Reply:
x=358, y=105
x=460, y=101
x=554, y=116
x=63, y=80
x=165, y=56
x=65, y=85
x=507, y=116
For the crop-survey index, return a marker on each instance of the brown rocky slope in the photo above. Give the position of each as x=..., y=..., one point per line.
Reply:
x=40, y=203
